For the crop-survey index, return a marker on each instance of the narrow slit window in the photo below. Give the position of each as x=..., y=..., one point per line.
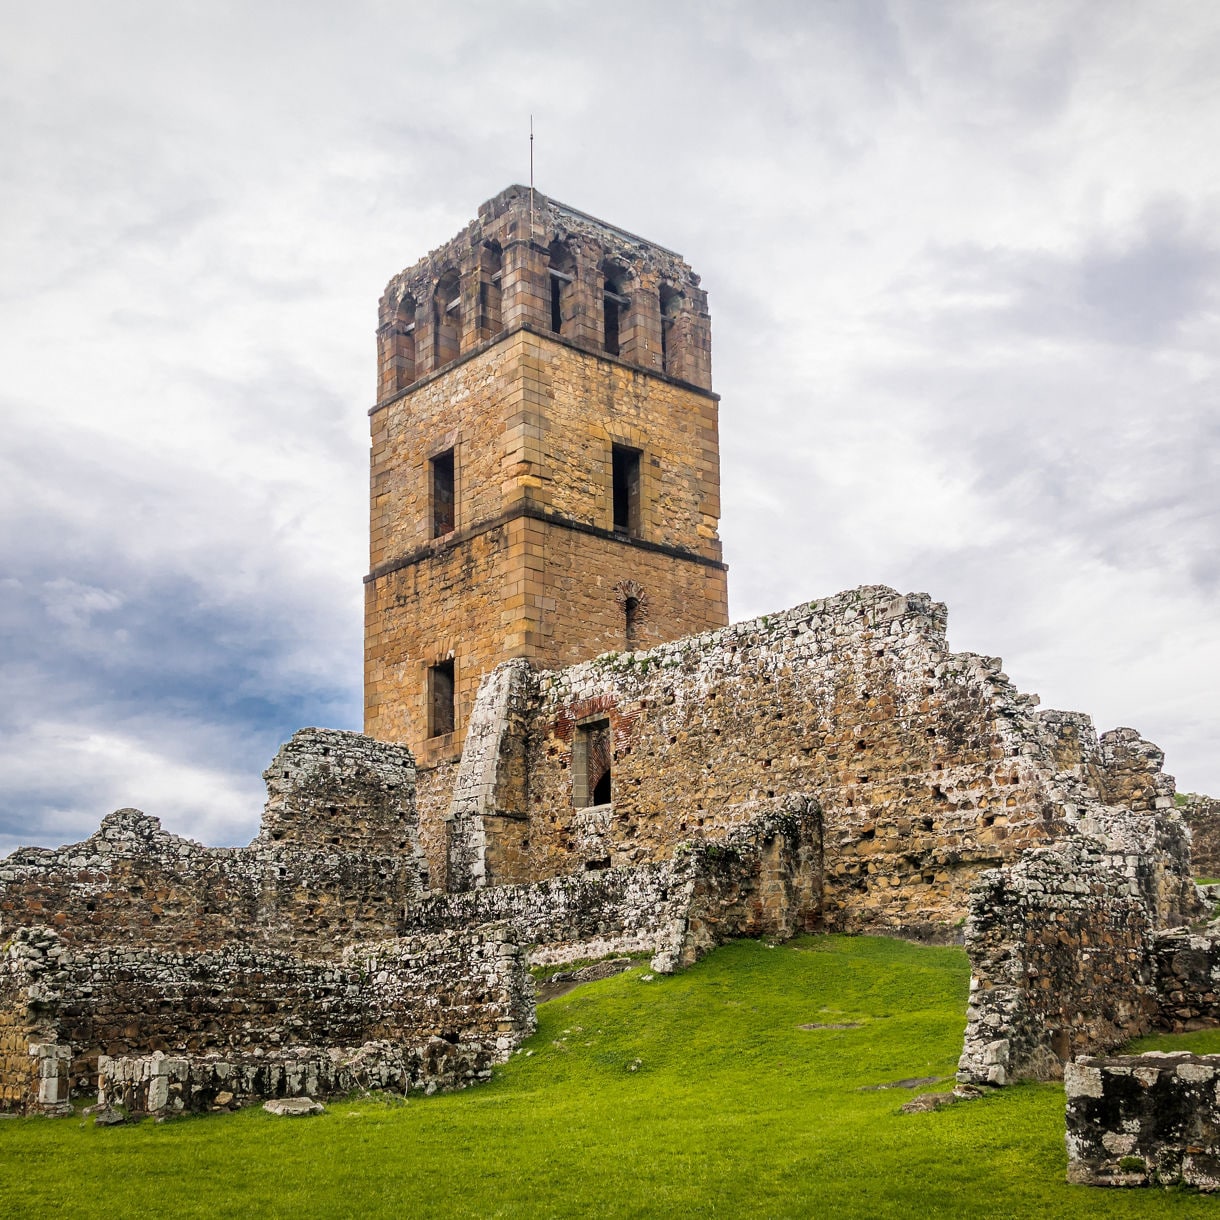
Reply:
x=626, y=479
x=562, y=276
x=631, y=611
x=443, y=486
x=610, y=339
x=591, y=752
x=614, y=309
x=440, y=699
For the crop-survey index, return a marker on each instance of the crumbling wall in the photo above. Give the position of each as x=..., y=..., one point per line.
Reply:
x=489, y=807
x=1144, y=1120
x=466, y=988
x=336, y=860
x=928, y=765
x=1186, y=969
x=33, y=1068
x=1202, y=814
x=763, y=879
x=1062, y=943
x=1132, y=775
x=1058, y=959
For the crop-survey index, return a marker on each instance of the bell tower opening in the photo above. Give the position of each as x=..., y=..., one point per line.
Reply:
x=529, y=456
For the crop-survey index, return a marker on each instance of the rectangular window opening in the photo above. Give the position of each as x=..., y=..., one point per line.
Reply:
x=611, y=336
x=591, y=751
x=626, y=479
x=440, y=699
x=442, y=493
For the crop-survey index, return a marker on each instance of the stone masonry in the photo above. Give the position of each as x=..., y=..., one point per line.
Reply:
x=1141, y=1120
x=337, y=859
x=545, y=477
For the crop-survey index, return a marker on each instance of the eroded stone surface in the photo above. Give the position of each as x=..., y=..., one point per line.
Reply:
x=1142, y=1120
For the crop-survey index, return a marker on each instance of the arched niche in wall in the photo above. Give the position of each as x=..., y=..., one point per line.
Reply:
x=402, y=345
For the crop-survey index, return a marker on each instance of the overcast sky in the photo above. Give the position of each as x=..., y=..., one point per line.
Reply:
x=963, y=262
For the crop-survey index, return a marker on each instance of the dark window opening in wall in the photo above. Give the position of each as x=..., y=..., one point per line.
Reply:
x=447, y=319
x=610, y=339
x=443, y=498
x=440, y=699
x=591, y=751
x=614, y=310
x=631, y=609
x=562, y=269
x=626, y=479
x=671, y=302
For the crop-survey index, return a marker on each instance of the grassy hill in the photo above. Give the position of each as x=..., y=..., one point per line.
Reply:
x=699, y=1094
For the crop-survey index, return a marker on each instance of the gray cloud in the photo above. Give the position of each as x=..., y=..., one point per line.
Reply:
x=963, y=282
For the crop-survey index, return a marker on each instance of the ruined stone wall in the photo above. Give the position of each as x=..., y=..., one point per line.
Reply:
x=433, y=798
x=468, y=988
x=763, y=878
x=1063, y=943
x=1144, y=1120
x=1186, y=971
x=337, y=859
x=33, y=1075
x=1132, y=772
x=1202, y=814
x=1059, y=964
x=929, y=767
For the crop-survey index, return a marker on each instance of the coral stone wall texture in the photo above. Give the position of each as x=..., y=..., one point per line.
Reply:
x=1143, y=1120
x=1202, y=814
x=337, y=859
x=468, y=988
x=929, y=766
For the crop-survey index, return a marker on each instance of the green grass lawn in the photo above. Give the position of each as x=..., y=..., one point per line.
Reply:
x=731, y=1110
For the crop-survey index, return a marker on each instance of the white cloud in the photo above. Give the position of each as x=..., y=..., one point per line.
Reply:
x=965, y=323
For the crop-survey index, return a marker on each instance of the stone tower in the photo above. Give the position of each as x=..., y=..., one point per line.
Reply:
x=545, y=462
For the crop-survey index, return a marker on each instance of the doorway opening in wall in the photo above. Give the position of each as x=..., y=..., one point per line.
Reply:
x=626, y=480
x=591, y=753
x=443, y=493
x=440, y=698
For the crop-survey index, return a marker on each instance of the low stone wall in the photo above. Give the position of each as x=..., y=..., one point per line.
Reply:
x=1142, y=1120
x=1202, y=814
x=168, y=1084
x=337, y=859
x=762, y=879
x=469, y=988
x=1187, y=975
